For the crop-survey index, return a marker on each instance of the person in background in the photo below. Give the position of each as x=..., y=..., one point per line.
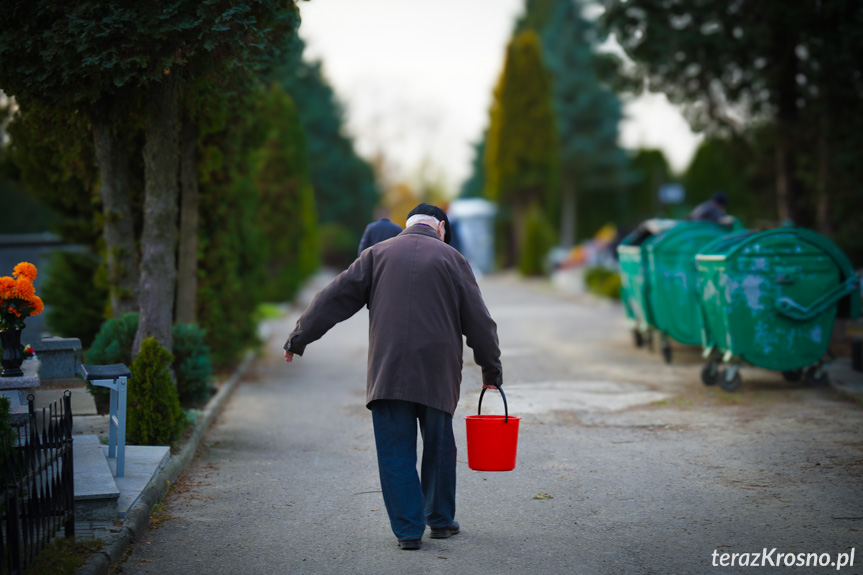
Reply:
x=713, y=210
x=422, y=298
x=378, y=231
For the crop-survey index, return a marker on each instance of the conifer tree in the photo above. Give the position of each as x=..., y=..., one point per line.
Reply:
x=344, y=183
x=521, y=155
x=587, y=113
x=154, y=416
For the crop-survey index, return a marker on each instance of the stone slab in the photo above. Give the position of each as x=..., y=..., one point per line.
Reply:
x=59, y=356
x=19, y=382
x=96, y=492
x=57, y=344
x=143, y=463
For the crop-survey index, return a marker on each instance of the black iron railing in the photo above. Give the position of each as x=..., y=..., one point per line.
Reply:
x=36, y=476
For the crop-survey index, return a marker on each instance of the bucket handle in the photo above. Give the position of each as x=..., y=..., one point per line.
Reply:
x=503, y=396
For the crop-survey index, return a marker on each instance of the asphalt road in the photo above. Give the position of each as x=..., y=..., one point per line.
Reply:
x=626, y=466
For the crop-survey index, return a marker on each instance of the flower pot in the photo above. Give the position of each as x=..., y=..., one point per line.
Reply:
x=13, y=352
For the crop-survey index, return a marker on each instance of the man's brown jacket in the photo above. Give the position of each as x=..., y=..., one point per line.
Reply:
x=422, y=297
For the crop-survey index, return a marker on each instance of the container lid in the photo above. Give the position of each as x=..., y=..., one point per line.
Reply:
x=687, y=231
x=647, y=229
x=729, y=247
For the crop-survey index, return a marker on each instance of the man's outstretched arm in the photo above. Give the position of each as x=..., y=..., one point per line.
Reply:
x=342, y=298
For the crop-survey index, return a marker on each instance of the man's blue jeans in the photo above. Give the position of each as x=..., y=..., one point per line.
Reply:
x=413, y=501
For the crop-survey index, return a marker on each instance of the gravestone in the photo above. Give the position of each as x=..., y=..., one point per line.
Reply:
x=59, y=357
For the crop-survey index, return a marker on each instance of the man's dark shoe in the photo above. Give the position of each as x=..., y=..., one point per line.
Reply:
x=444, y=532
x=410, y=544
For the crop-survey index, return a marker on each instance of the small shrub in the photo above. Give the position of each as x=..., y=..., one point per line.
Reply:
x=603, y=282
x=7, y=434
x=538, y=240
x=192, y=367
x=154, y=416
x=113, y=344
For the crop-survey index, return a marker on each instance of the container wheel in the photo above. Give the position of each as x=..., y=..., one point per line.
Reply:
x=637, y=338
x=666, y=353
x=730, y=384
x=816, y=377
x=710, y=374
x=793, y=375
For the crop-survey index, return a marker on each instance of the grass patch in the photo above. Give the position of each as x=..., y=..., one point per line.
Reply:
x=159, y=516
x=63, y=556
x=735, y=398
x=267, y=311
x=679, y=401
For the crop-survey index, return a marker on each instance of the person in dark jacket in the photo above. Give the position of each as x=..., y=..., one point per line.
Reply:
x=422, y=298
x=713, y=210
x=378, y=231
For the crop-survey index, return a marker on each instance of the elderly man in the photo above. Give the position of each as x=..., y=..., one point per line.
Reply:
x=422, y=298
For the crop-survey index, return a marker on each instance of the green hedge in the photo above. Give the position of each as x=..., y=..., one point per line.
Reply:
x=78, y=300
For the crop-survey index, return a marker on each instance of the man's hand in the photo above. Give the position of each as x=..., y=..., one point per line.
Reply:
x=289, y=357
x=488, y=386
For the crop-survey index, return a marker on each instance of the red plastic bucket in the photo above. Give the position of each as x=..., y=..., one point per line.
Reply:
x=492, y=440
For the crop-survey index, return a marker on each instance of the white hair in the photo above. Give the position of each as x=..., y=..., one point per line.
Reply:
x=422, y=219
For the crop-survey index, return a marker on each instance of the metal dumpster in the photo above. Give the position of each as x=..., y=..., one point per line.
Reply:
x=770, y=299
x=633, y=281
x=673, y=299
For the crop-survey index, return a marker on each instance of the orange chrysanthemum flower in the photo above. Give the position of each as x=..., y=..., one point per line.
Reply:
x=18, y=297
x=7, y=285
x=37, y=304
x=25, y=270
x=24, y=289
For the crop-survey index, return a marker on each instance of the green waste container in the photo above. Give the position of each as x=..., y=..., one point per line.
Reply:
x=631, y=259
x=673, y=298
x=770, y=299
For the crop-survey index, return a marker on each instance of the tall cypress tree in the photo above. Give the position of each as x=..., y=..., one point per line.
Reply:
x=587, y=112
x=521, y=156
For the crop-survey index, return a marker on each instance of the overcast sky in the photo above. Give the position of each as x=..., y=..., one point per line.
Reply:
x=416, y=80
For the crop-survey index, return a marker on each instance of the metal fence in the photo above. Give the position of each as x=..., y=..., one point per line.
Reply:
x=37, y=479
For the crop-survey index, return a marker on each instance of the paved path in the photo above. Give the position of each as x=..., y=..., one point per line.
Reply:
x=647, y=470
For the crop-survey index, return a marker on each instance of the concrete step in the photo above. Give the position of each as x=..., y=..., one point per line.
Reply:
x=143, y=463
x=99, y=496
x=96, y=492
